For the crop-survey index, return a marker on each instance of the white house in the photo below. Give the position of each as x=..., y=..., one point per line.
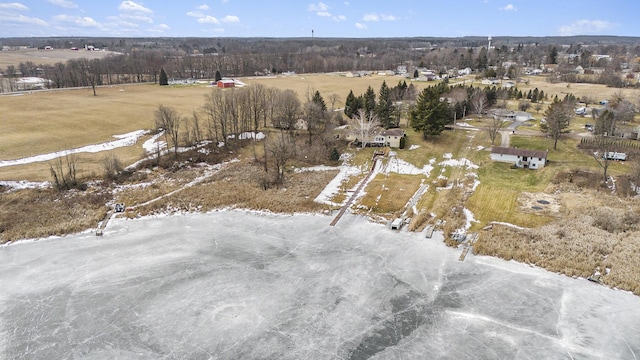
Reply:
x=490, y=81
x=522, y=158
x=390, y=138
x=393, y=137
x=509, y=115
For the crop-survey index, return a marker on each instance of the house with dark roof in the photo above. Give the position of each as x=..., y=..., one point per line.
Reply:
x=522, y=158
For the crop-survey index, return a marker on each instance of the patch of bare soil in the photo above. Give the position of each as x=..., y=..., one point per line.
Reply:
x=540, y=203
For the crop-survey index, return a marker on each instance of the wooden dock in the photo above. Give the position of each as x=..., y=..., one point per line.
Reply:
x=344, y=208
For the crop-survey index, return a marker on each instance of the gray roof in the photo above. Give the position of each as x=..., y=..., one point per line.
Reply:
x=393, y=132
x=519, y=152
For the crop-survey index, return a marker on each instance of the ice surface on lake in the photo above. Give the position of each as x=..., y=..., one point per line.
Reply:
x=236, y=285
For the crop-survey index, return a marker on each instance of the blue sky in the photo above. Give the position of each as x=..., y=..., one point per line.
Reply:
x=351, y=18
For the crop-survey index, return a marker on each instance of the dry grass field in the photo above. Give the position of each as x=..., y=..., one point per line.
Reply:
x=593, y=91
x=43, y=122
x=47, y=57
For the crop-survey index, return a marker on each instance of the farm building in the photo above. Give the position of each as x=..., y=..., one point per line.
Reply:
x=522, y=158
x=226, y=83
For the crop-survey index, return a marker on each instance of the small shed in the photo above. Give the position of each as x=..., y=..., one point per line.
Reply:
x=225, y=83
x=397, y=224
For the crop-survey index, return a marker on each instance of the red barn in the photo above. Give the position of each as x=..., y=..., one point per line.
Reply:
x=225, y=83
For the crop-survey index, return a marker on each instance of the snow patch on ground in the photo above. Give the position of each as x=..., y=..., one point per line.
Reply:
x=400, y=166
x=458, y=163
x=413, y=147
x=20, y=185
x=334, y=186
x=127, y=139
x=470, y=218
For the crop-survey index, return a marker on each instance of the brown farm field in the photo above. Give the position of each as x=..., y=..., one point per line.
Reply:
x=593, y=91
x=47, y=57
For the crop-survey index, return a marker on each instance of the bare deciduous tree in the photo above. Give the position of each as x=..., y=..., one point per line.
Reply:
x=281, y=148
x=494, y=128
x=64, y=173
x=168, y=119
x=603, y=146
x=365, y=126
x=112, y=166
x=287, y=109
x=478, y=100
x=333, y=100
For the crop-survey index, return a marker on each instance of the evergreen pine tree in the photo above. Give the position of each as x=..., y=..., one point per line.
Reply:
x=349, y=108
x=369, y=101
x=218, y=76
x=335, y=155
x=384, y=109
x=317, y=99
x=163, y=80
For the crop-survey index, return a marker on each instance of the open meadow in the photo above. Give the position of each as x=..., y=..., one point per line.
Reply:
x=47, y=57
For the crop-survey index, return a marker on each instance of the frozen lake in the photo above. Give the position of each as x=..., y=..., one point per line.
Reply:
x=234, y=285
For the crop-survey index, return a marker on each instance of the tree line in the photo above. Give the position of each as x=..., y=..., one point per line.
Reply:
x=140, y=60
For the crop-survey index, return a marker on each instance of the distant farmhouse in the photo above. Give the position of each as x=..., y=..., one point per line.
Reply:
x=522, y=158
x=182, y=81
x=508, y=115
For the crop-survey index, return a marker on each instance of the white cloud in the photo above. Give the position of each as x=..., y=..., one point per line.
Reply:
x=159, y=29
x=132, y=6
x=197, y=14
x=209, y=20
x=203, y=7
x=340, y=18
x=361, y=26
x=23, y=20
x=319, y=7
x=64, y=3
x=376, y=17
x=586, y=27
x=14, y=6
x=77, y=20
x=323, y=13
x=231, y=19
x=371, y=17
x=509, y=7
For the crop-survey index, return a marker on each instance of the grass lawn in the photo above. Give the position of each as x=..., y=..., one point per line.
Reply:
x=389, y=194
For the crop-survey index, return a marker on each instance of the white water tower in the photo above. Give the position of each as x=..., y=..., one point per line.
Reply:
x=489, y=43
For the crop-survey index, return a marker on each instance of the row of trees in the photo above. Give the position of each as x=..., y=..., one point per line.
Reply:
x=230, y=118
x=387, y=108
x=141, y=59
